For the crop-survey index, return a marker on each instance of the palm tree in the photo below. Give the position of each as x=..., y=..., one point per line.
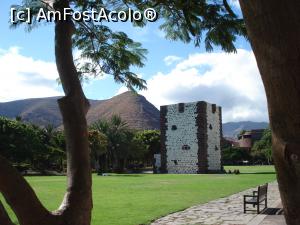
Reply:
x=116, y=131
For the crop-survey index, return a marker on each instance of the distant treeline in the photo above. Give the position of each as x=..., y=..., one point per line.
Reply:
x=114, y=147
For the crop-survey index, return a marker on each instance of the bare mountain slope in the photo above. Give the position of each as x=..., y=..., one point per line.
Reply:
x=134, y=109
x=40, y=111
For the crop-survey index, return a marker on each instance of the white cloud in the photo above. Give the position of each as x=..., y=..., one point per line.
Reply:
x=229, y=80
x=24, y=77
x=169, y=60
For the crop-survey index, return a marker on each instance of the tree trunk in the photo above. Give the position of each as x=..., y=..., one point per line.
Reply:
x=77, y=204
x=121, y=165
x=102, y=160
x=274, y=31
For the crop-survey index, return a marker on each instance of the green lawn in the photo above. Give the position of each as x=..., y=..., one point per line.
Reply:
x=138, y=199
x=252, y=169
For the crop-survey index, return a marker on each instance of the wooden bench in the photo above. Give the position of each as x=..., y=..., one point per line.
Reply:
x=256, y=198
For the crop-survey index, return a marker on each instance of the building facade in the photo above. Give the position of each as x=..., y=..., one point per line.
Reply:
x=190, y=138
x=248, y=138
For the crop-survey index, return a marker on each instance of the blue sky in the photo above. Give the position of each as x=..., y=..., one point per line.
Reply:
x=175, y=72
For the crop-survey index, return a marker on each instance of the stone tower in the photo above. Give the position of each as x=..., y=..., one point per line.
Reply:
x=190, y=138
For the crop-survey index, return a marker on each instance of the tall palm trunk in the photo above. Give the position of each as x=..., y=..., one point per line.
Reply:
x=274, y=32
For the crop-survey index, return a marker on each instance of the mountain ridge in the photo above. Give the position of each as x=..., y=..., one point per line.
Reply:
x=133, y=108
x=232, y=129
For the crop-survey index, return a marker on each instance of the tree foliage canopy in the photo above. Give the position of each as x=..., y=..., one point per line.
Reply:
x=101, y=50
x=123, y=143
x=210, y=22
x=29, y=146
x=263, y=147
x=98, y=142
x=151, y=139
x=105, y=51
x=235, y=155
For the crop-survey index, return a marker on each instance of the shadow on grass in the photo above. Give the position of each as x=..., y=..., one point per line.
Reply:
x=144, y=175
x=124, y=175
x=259, y=173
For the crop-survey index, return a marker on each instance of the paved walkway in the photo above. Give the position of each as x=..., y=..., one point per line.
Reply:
x=262, y=219
x=273, y=220
x=224, y=211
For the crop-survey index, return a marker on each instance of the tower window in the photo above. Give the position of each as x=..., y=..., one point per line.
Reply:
x=174, y=127
x=214, y=108
x=181, y=107
x=186, y=147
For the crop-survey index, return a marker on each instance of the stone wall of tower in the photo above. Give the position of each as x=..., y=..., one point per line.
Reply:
x=214, y=133
x=181, y=139
x=190, y=138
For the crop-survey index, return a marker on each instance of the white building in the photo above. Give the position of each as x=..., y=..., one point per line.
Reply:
x=190, y=138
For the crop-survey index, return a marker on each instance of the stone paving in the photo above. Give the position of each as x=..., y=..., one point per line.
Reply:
x=273, y=220
x=224, y=211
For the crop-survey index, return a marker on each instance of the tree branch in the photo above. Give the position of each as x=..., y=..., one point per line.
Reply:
x=228, y=8
x=20, y=196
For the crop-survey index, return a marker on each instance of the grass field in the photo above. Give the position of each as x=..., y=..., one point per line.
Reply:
x=138, y=199
x=252, y=169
